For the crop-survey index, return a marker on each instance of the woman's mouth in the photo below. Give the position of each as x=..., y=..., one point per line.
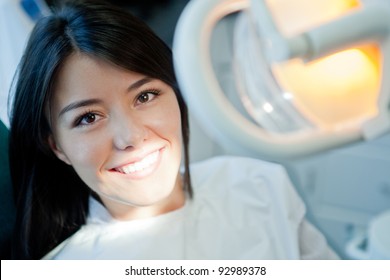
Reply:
x=141, y=165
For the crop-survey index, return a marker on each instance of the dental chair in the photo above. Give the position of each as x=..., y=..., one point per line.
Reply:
x=7, y=207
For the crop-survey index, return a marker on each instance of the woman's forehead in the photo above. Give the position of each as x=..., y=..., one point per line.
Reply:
x=84, y=72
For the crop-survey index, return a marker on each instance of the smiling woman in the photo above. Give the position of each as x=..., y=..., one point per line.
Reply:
x=98, y=129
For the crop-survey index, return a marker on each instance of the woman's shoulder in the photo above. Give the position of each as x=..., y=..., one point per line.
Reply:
x=246, y=181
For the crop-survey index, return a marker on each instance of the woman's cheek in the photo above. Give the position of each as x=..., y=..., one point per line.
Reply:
x=87, y=151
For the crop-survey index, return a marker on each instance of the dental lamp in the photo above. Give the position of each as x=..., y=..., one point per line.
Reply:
x=308, y=75
x=284, y=80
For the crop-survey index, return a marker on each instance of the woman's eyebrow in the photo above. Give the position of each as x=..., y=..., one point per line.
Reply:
x=78, y=104
x=139, y=83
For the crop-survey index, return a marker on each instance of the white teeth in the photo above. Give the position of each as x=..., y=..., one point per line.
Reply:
x=139, y=165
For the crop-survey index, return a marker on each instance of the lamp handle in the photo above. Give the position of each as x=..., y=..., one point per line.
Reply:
x=328, y=38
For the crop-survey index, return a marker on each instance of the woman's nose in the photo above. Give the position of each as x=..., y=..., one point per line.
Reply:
x=129, y=132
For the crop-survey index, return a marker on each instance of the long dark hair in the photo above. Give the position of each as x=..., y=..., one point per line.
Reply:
x=52, y=201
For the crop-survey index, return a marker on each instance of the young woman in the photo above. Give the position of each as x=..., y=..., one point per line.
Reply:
x=98, y=128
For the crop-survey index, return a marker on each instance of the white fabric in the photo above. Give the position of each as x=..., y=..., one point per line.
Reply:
x=242, y=209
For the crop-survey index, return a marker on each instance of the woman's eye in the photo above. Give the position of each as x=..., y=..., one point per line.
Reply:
x=87, y=119
x=145, y=97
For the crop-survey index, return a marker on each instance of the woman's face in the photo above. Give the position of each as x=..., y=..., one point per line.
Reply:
x=120, y=131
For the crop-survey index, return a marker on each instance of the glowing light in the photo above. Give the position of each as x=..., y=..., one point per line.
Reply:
x=288, y=95
x=268, y=108
x=341, y=87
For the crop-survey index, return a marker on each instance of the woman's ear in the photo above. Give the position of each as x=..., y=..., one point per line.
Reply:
x=57, y=150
